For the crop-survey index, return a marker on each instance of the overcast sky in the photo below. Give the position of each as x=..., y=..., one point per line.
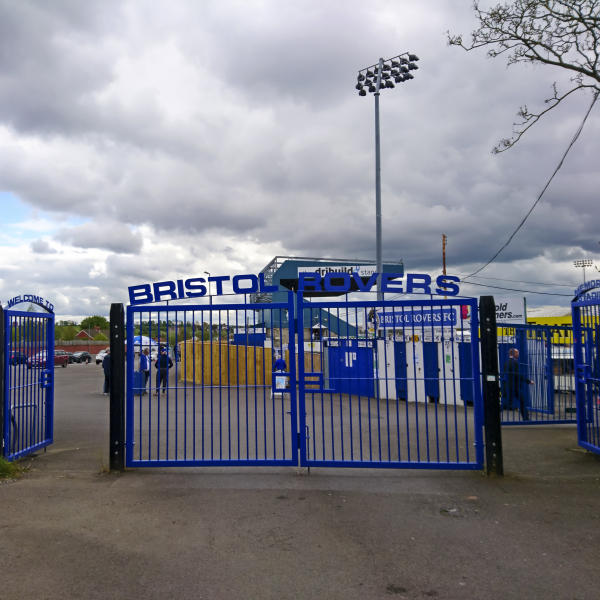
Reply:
x=144, y=141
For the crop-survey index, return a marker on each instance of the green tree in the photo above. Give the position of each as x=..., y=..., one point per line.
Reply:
x=95, y=321
x=100, y=338
x=559, y=33
x=65, y=333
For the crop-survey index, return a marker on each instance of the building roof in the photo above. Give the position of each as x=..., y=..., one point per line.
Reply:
x=548, y=312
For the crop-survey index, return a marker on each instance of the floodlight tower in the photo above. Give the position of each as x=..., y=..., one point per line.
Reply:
x=375, y=78
x=583, y=264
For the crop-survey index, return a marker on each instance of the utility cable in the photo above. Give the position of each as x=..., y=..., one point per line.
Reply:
x=521, y=281
x=514, y=290
x=545, y=188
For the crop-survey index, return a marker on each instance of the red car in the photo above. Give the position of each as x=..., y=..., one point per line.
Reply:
x=61, y=358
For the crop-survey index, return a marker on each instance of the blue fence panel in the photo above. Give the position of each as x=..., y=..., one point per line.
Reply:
x=29, y=382
x=537, y=387
x=586, y=324
x=216, y=405
x=401, y=407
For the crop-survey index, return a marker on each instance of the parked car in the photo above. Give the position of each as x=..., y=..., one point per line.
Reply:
x=82, y=356
x=18, y=358
x=61, y=358
x=100, y=357
x=72, y=358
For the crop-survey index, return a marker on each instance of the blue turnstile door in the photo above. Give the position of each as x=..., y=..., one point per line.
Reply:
x=401, y=370
x=432, y=369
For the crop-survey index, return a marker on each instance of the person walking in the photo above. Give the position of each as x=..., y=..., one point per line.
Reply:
x=145, y=368
x=106, y=364
x=163, y=364
x=511, y=389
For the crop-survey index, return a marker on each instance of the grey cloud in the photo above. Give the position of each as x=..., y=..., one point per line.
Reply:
x=42, y=247
x=278, y=147
x=114, y=237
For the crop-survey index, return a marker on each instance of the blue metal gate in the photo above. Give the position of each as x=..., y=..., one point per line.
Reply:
x=215, y=405
x=28, y=382
x=546, y=358
x=586, y=326
x=401, y=407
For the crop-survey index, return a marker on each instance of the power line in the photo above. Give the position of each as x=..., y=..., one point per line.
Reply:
x=560, y=164
x=514, y=290
x=521, y=281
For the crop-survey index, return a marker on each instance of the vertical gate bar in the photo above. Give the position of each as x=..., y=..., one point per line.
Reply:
x=426, y=379
x=477, y=392
x=349, y=399
x=272, y=321
x=246, y=392
x=579, y=367
x=298, y=377
x=158, y=415
x=50, y=390
x=187, y=358
x=5, y=336
x=439, y=397
x=131, y=318
x=167, y=403
x=491, y=399
x=228, y=388
x=150, y=387
x=312, y=398
x=210, y=338
x=374, y=310
x=365, y=315
x=220, y=335
x=237, y=380
x=117, y=387
x=349, y=345
x=453, y=357
x=418, y=441
x=397, y=399
x=387, y=391
x=203, y=369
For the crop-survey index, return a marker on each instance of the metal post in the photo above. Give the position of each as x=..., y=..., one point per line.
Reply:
x=2, y=380
x=117, y=388
x=492, y=417
x=378, y=184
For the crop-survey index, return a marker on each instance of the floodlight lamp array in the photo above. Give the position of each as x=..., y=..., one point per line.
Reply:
x=393, y=70
x=583, y=263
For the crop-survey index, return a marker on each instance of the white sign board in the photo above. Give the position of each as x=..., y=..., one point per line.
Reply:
x=510, y=311
x=362, y=270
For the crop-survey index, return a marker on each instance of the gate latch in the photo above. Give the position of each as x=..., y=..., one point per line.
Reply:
x=583, y=373
x=46, y=378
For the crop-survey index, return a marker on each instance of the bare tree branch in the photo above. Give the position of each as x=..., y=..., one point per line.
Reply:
x=559, y=33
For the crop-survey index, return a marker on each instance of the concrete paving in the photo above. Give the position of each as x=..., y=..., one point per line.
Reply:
x=68, y=530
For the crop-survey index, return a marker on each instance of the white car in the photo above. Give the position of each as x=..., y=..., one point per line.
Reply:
x=100, y=357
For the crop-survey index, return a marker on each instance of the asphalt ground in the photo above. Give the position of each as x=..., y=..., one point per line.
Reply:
x=69, y=530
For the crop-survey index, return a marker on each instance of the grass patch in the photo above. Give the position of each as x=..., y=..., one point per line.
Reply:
x=10, y=470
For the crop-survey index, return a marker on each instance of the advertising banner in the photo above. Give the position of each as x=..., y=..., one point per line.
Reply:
x=510, y=311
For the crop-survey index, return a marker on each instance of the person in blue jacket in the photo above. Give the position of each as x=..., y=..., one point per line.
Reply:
x=280, y=364
x=145, y=368
x=163, y=364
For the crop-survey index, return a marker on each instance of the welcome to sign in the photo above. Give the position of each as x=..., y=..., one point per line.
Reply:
x=31, y=299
